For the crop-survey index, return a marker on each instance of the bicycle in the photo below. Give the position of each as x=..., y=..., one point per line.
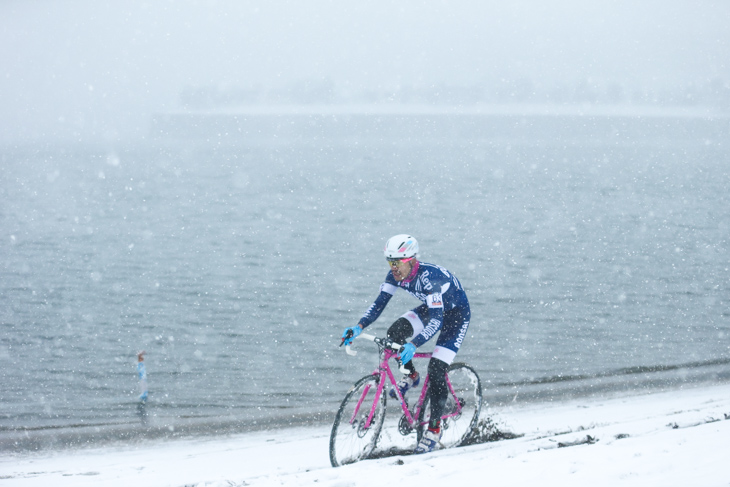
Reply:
x=360, y=418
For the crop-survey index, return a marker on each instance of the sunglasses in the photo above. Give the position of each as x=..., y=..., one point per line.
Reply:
x=395, y=262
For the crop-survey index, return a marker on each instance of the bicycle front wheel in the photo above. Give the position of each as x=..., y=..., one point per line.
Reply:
x=353, y=437
x=463, y=405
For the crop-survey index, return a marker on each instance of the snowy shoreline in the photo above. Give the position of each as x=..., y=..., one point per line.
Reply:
x=153, y=422
x=673, y=437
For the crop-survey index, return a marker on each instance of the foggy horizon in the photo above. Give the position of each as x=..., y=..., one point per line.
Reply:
x=84, y=70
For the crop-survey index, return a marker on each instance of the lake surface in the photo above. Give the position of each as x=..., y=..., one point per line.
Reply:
x=595, y=254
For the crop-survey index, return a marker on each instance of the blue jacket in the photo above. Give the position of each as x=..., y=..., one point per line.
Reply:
x=436, y=287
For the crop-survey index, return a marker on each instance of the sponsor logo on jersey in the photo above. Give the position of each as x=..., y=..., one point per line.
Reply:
x=431, y=329
x=462, y=334
x=424, y=281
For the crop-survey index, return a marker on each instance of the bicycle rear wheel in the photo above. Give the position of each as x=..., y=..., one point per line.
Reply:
x=456, y=425
x=352, y=439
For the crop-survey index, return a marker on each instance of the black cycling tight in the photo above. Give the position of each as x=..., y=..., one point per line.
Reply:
x=400, y=331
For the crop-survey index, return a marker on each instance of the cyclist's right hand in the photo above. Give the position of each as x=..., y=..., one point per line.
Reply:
x=406, y=353
x=350, y=334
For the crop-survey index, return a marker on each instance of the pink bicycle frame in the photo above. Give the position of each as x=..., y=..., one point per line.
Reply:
x=383, y=371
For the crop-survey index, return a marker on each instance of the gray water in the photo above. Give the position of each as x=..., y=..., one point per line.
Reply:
x=595, y=258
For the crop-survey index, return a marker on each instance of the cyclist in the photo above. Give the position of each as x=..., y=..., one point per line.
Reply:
x=445, y=307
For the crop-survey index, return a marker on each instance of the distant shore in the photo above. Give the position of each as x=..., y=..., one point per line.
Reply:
x=587, y=110
x=474, y=124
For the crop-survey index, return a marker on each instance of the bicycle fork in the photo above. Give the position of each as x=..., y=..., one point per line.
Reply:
x=364, y=394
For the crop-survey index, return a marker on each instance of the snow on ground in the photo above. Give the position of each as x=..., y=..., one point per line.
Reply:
x=671, y=438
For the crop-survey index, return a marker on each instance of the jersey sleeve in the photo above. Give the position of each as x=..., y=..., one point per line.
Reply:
x=386, y=292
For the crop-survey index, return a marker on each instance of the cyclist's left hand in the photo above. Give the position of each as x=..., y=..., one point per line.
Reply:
x=406, y=353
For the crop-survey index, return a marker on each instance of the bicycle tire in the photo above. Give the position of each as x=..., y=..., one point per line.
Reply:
x=351, y=442
x=456, y=429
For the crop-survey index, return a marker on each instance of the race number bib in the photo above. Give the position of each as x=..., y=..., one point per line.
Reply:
x=435, y=300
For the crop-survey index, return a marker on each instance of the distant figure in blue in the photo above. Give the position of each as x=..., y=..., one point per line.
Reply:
x=445, y=307
x=142, y=375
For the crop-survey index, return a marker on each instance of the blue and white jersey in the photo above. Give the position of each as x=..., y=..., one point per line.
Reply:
x=433, y=285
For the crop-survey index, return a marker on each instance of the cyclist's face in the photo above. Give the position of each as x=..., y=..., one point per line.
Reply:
x=401, y=268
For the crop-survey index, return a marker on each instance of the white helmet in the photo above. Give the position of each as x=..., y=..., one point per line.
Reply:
x=401, y=247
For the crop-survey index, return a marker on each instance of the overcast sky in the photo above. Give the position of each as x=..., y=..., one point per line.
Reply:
x=101, y=68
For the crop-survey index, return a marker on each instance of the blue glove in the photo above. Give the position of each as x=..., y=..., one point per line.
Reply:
x=350, y=334
x=406, y=352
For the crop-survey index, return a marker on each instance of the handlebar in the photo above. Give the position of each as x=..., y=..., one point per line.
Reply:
x=381, y=342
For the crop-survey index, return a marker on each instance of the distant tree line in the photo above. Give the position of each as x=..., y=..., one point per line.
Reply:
x=712, y=93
